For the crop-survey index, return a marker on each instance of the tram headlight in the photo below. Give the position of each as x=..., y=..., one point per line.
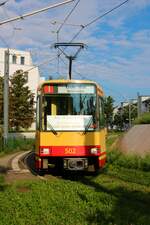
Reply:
x=45, y=151
x=94, y=151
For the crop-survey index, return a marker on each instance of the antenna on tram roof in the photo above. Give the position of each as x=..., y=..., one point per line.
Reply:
x=69, y=57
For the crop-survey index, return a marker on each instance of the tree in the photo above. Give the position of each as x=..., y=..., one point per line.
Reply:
x=121, y=118
x=21, y=102
x=108, y=111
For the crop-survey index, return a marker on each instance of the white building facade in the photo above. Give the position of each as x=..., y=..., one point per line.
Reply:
x=21, y=60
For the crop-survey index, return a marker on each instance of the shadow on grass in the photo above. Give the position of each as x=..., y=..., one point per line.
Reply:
x=2, y=187
x=129, y=207
x=30, y=163
x=114, y=205
x=3, y=169
x=2, y=183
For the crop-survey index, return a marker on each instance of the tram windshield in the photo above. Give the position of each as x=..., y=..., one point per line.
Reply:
x=69, y=107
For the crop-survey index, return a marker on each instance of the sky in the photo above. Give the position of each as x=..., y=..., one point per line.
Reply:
x=117, y=46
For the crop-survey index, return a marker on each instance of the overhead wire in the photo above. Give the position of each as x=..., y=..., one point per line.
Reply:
x=83, y=26
x=66, y=24
x=2, y=4
x=93, y=21
x=110, y=89
x=98, y=18
x=67, y=17
x=34, y=12
x=11, y=24
x=106, y=13
x=8, y=46
x=3, y=7
x=60, y=27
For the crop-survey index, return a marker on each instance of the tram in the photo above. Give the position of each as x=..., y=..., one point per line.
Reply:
x=70, y=126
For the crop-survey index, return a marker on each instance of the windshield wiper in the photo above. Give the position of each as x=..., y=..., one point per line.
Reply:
x=88, y=125
x=83, y=101
x=52, y=129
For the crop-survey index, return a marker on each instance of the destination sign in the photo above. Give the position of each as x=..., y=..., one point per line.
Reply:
x=86, y=89
x=69, y=89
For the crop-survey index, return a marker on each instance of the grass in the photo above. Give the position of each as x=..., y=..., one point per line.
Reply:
x=112, y=137
x=143, y=119
x=108, y=198
x=118, y=159
x=120, y=195
x=2, y=183
x=16, y=144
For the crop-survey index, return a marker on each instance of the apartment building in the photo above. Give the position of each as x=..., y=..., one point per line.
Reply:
x=21, y=60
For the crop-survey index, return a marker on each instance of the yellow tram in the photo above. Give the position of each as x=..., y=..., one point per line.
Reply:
x=70, y=130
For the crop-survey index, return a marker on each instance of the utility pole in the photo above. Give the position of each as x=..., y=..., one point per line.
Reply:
x=5, y=95
x=122, y=114
x=139, y=105
x=130, y=123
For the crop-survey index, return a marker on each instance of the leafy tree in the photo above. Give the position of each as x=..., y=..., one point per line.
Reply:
x=121, y=119
x=108, y=110
x=21, y=102
x=118, y=120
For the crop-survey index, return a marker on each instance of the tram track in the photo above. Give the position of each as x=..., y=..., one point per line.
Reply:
x=28, y=161
x=22, y=166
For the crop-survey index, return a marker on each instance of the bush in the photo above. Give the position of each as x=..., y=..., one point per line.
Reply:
x=16, y=144
x=118, y=159
x=143, y=119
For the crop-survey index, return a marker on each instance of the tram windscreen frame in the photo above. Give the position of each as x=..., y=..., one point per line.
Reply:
x=69, y=107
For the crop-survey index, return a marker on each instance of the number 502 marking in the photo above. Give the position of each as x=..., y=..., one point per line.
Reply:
x=70, y=150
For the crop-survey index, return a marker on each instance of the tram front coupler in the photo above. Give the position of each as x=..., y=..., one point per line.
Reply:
x=75, y=163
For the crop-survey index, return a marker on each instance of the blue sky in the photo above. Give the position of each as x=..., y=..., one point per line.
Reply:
x=118, y=46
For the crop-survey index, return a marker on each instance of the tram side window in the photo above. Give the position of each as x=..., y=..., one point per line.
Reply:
x=46, y=111
x=37, y=113
x=101, y=112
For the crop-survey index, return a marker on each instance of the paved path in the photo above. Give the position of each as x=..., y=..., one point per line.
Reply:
x=13, y=167
x=136, y=140
x=5, y=162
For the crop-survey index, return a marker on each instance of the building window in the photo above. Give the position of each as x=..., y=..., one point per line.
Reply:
x=14, y=59
x=22, y=60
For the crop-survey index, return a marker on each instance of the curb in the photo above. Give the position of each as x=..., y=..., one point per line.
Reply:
x=15, y=162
